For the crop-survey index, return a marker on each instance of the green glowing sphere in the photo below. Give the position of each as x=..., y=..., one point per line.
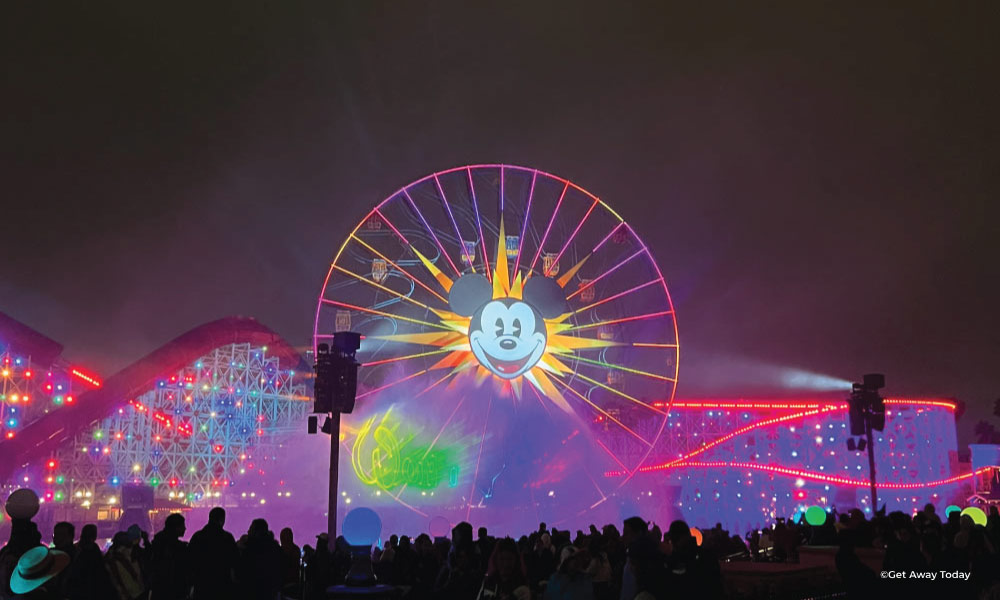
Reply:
x=977, y=515
x=815, y=516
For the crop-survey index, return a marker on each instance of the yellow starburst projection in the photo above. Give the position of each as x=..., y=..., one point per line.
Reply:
x=505, y=338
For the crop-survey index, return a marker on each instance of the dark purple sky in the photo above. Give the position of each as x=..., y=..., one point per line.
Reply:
x=818, y=181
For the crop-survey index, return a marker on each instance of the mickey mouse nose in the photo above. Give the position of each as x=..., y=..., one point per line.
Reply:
x=508, y=344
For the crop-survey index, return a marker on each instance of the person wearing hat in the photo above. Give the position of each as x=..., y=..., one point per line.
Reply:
x=20, y=506
x=35, y=569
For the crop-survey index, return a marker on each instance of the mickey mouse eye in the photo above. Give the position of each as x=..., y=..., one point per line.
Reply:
x=517, y=327
x=499, y=326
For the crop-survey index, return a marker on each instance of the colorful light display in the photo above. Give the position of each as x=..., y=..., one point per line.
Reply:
x=30, y=390
x=193, y=434
x=395, y=460
x=519, y=311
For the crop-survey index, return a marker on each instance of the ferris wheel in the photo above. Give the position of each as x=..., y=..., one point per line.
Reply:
x=519, y=341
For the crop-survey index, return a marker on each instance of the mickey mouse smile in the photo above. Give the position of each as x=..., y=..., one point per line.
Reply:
x=507, y=367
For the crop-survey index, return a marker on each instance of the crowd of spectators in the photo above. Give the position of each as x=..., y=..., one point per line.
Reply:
x=638, y=562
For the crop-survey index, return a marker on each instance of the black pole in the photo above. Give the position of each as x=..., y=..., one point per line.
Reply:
x=331, y=519
x=871, y=465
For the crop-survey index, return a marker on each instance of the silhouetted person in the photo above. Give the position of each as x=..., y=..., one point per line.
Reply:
x=461, y=578
x=213, y=559
x=259, y=570
x=633, y=530
x=87, y=579
x=170, y=561
x=690, y=571
x=291, y=556
x=484, y=546
x=24, y=535
x=506, y=578
x=571, y=581
x=123, y=568
x=63, y=536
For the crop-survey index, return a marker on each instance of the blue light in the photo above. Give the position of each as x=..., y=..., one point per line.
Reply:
x=362, y=527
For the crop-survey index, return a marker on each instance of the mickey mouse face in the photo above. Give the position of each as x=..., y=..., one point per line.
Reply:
x=507, y=335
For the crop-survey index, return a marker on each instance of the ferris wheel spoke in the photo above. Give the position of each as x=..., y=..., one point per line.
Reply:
x=400, y=269
x=548, y=227
x=569, y=240
x=479, y=459
x=605, y=274
x=479, y=226
x=613, y=457
x=431, y=231
x=364, y=279
x=603, y=412
x=501, y=190
x=407, y=357
x=384, y=314
x=608, y=365
x=607, y=237
x=651, y=345
x=392, y=227
x=389, y=385
x=440, y=431
x=621, y=320
x=620, y=394
x=524, y=224
x=540, y=401
x=616, y=296
x=451, y=216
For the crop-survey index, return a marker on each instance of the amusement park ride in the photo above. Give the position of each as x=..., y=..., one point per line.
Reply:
x=514, y=359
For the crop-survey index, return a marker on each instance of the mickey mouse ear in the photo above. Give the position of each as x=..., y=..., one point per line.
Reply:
x=545, y=295
x=469, y=293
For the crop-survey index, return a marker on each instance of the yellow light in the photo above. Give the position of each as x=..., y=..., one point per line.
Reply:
x=6, y=373
x=112, y=500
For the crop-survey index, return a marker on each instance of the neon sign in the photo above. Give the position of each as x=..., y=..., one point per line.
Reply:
x=394, y=460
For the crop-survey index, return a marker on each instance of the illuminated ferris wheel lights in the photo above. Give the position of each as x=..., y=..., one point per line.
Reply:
x=450, y=218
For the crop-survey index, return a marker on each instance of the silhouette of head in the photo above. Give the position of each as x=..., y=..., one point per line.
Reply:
x=217, y=515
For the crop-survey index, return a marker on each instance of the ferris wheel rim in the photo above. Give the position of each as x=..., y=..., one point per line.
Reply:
x=403, y=194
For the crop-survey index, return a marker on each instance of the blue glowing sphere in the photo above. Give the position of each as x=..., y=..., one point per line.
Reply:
x=362, y=527
x=952, y=508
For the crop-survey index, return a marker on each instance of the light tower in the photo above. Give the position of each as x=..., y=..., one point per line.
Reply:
x=334, y=393
x=867, y=414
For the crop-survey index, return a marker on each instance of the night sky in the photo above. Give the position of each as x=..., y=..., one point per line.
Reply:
x=818, y=181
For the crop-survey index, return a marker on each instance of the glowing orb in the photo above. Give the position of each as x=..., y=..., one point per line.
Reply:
x=362, y=526
x=951, y=508
x=976, y=514
x=23, y=504
x=815, y=516
x=696, y=534
x=439, y=527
